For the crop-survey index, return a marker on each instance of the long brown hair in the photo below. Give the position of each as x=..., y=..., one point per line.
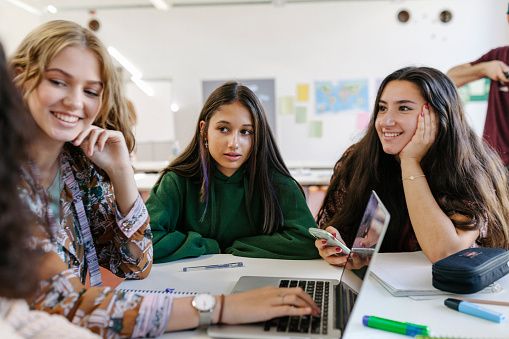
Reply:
x=42, y=44
x=196, y=162
x=17, y=275
x=464, y=174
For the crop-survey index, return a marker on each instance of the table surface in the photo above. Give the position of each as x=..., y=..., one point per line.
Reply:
x=373, y=299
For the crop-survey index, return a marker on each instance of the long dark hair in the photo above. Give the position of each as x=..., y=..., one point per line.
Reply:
x=196, y=162
x=17, y=275
x=464, y=174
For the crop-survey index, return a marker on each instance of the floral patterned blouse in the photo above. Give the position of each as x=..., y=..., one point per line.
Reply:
x=123, y=245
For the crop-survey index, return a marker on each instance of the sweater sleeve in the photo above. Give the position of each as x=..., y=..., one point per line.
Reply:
x=293, y=240
x=166, y=205
x=493, y=54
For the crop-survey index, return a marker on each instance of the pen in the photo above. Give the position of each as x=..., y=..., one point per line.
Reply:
x=212, y=267
x=395, y=326
x=480, y=301
x=473, y=309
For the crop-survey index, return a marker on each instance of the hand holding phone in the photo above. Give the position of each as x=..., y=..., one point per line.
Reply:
x=331, y=240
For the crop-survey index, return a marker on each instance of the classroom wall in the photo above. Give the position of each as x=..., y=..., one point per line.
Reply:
x=296, y=44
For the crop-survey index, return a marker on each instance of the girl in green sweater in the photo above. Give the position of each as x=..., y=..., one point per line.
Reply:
x=230, y=191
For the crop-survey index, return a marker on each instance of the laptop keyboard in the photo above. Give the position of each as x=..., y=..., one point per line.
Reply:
x=319, y=291
x=348, y=298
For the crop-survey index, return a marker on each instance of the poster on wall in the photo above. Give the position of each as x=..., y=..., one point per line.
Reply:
x=478, y=90
x=263, y=88
x=340, y=96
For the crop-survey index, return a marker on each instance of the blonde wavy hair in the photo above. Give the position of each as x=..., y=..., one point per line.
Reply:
x=42, y=44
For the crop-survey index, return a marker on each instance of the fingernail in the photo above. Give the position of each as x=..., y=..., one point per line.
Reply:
x=334, y=234
x=422, y=113
x=354, y=255
x=426, y=106
x=324, y=242
x=338, y=249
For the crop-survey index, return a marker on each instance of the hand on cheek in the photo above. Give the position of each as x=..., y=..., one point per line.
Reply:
x=424, y=136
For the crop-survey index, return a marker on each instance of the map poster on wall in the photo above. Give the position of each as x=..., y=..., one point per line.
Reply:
x=347, y=95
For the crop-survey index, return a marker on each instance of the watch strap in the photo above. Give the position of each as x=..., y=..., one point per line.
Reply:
x=205, y=318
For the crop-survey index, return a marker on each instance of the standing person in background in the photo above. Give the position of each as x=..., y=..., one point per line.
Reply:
x=230, y=191
x=492, y=65
x=445, y=189
x=80, y=159
x=18, y=279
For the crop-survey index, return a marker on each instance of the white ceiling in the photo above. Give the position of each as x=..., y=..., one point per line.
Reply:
x=66, y=5
x=75, y=5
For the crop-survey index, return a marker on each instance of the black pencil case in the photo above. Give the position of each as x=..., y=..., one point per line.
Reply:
x=470, y=270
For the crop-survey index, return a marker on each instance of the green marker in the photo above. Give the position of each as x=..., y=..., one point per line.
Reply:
x=395, y=326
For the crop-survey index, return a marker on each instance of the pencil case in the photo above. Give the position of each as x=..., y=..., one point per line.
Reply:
x=470, y=270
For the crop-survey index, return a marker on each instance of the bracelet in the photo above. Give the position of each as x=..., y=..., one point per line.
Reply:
x=221, y=310
x=413, y=178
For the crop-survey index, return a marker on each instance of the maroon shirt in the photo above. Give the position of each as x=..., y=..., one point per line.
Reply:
x=496, y=128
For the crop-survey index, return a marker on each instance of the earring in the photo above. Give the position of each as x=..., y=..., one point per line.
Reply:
x=206, y=144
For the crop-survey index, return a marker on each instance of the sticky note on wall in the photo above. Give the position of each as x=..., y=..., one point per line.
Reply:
x=301, y=114
x=287, y=105
x=302, y=92
x=316, y=129
x=363, y=120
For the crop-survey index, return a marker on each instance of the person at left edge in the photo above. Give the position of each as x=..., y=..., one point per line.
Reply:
x=230, y=191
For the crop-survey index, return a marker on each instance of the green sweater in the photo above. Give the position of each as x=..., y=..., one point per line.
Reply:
x=229, y=224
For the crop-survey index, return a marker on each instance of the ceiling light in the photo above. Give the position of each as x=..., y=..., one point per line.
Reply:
x=51, y=9
x=143, y=86
x=136, y=74
x=26, y=7
x=160, y=5
x=124, y=62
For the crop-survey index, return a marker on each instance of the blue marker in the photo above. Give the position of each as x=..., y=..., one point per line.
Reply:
x=169, y=290
x=473, y=309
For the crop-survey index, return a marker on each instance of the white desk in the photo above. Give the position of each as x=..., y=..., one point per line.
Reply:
x=221, y=281
x=375, y=300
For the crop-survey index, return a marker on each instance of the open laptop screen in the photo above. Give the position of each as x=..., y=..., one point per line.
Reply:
x=369, y=235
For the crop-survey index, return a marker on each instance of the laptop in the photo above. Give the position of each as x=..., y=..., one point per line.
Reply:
x=335, y=297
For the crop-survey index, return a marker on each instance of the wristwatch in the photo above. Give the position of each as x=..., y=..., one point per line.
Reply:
x=204, y=303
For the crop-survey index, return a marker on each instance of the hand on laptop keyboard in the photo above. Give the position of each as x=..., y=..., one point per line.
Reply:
x=267, y=303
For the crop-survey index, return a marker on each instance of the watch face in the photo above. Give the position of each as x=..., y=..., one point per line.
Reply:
x=204, y=302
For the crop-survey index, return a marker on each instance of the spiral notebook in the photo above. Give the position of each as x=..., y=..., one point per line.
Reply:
x=176, y=294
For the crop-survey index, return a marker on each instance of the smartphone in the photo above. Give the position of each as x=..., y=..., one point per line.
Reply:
x=331, y=240
x=363, y=250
